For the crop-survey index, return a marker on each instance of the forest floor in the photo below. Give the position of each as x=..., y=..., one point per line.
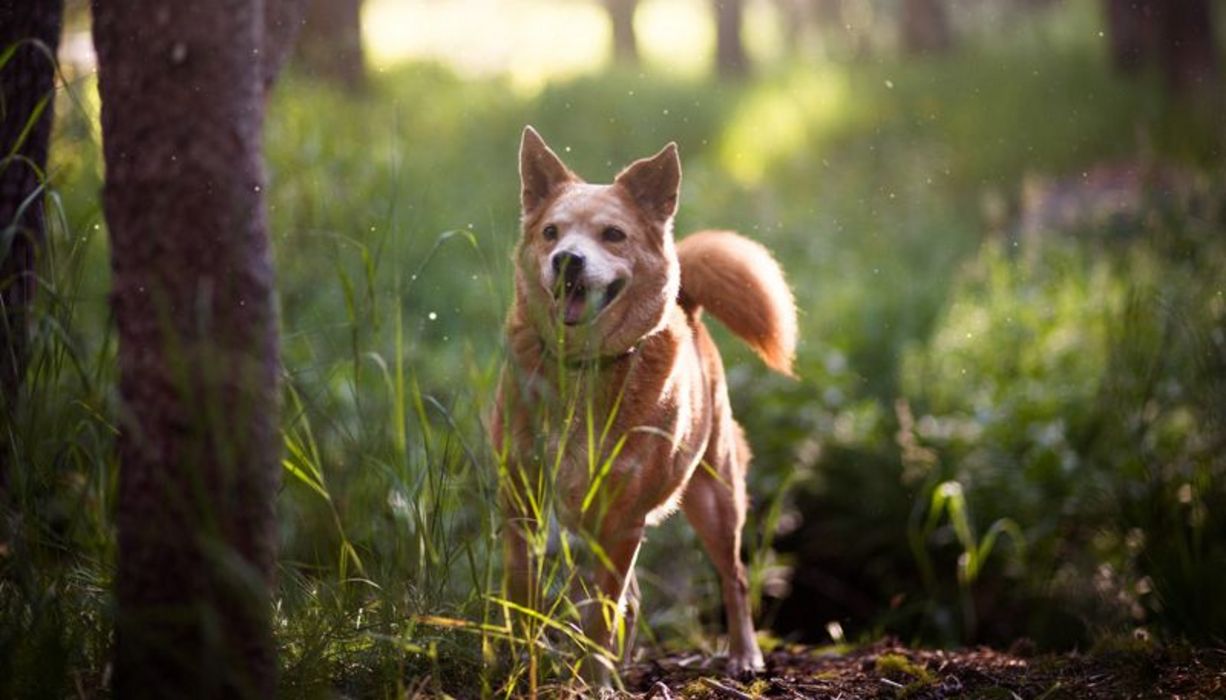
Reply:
x=888, y=669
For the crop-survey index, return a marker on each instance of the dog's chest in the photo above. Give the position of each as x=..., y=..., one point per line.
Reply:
x=583, y=469
x=638, y=471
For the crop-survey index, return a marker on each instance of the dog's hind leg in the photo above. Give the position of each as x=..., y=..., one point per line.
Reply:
x=715, y=504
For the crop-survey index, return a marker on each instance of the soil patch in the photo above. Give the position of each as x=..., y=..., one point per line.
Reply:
x=888, y=669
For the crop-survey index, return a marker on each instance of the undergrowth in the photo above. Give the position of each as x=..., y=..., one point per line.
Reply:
x=986, y=441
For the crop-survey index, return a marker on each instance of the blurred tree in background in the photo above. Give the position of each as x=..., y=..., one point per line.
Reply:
x=625, y=45
x=925, y=26
x=329, y=45
x=1177, y=36
x=731, y=59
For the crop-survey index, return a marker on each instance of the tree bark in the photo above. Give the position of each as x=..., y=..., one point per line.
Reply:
x=1189, y=61
x=1175, y=35
x=27, y=83
x=625, y=41
x=795, y=18
x=182, y=119
x=731, y=60
x=925, y=27
x=1131, y=33
x=330, y=44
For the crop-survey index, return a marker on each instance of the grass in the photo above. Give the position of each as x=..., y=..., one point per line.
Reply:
x=392, y=217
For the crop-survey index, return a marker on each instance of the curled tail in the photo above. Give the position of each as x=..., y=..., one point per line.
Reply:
x=738, y=281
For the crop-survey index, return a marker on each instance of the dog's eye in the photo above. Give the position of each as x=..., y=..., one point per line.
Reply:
x=612, y=234
x=550, y=232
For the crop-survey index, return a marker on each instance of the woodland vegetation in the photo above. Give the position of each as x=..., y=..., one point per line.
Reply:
x=254, y=260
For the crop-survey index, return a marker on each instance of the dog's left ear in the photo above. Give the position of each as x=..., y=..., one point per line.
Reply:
x=654, y=183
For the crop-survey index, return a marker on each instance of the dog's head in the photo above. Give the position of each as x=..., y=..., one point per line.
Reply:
x=596, y=266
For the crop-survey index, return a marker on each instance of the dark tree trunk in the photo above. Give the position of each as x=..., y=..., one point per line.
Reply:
x=26, y=87
x=1131, y=33
x=731, y=60
x=182, y=119
x=330, y=45
x=1175, y=35
x=797, y=18
x=625, y=42
x=925, y=27
x=1187, y=52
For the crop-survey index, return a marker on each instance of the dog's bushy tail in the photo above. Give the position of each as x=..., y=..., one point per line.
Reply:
x=738, y=281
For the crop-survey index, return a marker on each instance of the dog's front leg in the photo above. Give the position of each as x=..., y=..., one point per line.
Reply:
x=519, y=527
x=602, y=618
x=518, y=490
x=521, y=583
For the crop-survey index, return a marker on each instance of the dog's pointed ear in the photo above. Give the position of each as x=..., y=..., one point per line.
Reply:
x=541, y=172
x=654, y=183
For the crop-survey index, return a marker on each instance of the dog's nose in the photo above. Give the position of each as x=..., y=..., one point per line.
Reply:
x=570, y=263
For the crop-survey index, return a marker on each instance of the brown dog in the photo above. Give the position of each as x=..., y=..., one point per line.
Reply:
x=615, y=391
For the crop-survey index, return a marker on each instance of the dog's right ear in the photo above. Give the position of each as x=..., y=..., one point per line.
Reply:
x=541, y=172
x=655, y=183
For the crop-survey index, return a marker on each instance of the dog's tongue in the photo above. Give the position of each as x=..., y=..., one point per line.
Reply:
x=576, y=302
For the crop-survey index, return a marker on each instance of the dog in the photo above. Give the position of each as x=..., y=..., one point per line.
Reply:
x=614, y=389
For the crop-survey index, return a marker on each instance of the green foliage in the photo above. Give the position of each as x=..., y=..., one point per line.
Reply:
x=1075, y=391
x=56, y=535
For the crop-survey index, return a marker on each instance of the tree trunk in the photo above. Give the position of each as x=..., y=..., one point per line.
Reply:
x=625, y=42
x=1131, y=33
x=799, y=19
x=1187, y=53
x=731, y=61
x=182, y=120
x=1176, y=35
x=925, y=27
x=26, y=87
x=330, y=46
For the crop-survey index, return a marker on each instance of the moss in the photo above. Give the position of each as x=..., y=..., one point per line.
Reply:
x=758, y=688
x=696, y=690
x=1139, y=642
x=768, y=642
x=899, y=665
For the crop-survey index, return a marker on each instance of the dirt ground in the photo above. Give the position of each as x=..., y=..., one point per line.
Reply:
x=888, y=669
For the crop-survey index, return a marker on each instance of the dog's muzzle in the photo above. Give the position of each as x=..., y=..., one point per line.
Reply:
x=573, y=291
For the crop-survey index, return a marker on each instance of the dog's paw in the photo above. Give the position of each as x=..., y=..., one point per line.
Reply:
x=746, y=664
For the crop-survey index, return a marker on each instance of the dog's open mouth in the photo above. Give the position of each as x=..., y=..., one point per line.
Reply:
x=580, y=303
